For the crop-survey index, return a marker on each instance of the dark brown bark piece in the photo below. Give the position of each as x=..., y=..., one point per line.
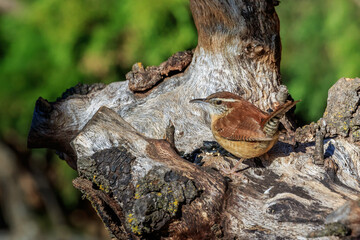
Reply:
x=141, y=80
x=107, y=209
x=176, y=63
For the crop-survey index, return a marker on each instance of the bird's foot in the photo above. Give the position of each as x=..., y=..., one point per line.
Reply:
x=232, y=171
x=235, y=170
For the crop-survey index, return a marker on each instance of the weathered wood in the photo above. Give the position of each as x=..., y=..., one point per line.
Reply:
x=54, y=125
x=291, y=197
x=341, y=116
x=140, y=185
x=146, y=177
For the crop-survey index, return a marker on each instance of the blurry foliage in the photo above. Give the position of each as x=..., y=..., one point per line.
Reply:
x=61, y=176
x=321, y=43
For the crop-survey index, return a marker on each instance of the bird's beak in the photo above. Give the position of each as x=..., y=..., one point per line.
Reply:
x=198, y=100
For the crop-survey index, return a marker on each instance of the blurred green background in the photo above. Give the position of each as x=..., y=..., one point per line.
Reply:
x=47, y=46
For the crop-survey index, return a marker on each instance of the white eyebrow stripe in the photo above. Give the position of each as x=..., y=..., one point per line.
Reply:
x=227, y=99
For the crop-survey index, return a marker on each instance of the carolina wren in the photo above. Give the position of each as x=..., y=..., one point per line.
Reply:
x=240, y=127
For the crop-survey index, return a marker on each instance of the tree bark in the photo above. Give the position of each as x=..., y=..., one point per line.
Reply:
x=143, y=187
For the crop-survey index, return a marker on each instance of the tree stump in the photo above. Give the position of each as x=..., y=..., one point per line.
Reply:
x=147, y=160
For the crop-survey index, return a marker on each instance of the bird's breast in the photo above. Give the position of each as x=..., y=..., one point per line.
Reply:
x=246, y=149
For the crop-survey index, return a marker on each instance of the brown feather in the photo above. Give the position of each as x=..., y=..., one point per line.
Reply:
x=243, y=123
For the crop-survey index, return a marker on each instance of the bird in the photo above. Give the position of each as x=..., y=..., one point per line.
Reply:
x=240, y=127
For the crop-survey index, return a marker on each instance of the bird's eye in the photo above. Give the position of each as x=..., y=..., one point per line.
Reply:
x=218, y=102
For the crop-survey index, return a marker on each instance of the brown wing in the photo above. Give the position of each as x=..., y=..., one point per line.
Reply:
x=242, y=124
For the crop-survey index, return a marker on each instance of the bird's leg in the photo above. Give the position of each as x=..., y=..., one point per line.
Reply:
x=234, y=170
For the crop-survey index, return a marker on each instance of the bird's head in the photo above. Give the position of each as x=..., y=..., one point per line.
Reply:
x=218, y=104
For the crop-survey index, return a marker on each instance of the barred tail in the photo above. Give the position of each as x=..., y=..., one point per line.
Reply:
x=271, y=124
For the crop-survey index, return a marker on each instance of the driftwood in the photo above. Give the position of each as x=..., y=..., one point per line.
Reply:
x=146, y=157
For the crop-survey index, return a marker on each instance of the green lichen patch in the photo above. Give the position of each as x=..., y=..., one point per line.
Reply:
x=332, y=229
x=158, y=198
x=356, y=134
x=108, y=169
x=306, y=133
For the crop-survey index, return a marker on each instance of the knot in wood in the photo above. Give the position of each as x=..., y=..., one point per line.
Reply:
x=254, y=50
